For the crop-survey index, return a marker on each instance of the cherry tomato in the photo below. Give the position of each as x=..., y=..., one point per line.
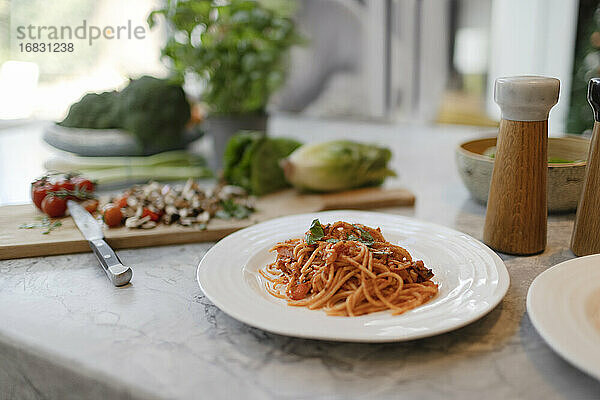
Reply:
x=38, y=193
x=122, y=202
x=65, y=184
x=58, y=182
x=62, y=185
x=54, y=206
x=90, y=205
x=53, y=186
x=112, y=215
x=83, y=183
x=300, y=291
x=153, y=216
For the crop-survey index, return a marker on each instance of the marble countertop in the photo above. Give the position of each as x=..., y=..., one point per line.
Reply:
x=66, y=332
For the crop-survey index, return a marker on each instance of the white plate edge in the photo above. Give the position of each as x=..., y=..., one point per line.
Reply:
x=546, y=336
x=500, y=293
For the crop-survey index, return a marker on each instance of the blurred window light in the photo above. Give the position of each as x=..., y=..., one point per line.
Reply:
x=18, y=85
x=43, y=84
x=471, y=50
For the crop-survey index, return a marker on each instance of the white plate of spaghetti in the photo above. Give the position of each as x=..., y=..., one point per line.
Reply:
x=353, y=276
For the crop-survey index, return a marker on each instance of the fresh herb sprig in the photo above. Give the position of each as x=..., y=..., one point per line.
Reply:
x=365, y=236
x=316, y=233
x=79, y=192
x=231, y=209
x=44, y=223
x=53, y=174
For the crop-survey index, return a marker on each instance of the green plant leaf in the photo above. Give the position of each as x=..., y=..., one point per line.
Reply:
x=242, y=51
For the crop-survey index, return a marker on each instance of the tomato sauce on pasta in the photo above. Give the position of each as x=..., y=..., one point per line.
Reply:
x=347, y=270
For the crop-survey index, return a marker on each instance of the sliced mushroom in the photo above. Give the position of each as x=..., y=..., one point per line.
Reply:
x=186, y=204
x=135, y=222
x=148, y=225
x=203, y=218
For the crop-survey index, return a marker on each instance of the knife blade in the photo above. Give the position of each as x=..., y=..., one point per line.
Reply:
x=118, y=274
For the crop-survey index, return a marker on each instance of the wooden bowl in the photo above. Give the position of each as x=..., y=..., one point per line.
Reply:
x=565, y=180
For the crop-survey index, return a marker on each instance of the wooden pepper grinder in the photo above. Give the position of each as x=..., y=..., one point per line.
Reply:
x=585, y=239
x=517, y=208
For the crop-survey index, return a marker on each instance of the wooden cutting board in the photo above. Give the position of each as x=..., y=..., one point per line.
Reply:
x=19, y=243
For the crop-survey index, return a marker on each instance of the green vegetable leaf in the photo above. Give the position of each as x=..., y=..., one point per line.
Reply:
x=337, y=165
x=315, y=232
x=251, y=160
x=237, y=158
x=266, y=174
x=332, y=240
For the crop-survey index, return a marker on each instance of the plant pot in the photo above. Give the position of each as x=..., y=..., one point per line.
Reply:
x=222, y=127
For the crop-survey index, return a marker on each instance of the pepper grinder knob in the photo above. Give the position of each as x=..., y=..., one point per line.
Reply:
x=593, y=97
x=585, y=239
x=526, y=98
x=516, y=216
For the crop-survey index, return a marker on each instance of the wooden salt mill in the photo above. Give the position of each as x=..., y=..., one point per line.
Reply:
x=585, y=239
x=517, y=208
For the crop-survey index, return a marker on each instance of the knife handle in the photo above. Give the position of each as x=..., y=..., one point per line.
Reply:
x=118, y=274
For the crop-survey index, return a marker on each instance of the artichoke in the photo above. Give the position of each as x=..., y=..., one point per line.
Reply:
x=337, y=165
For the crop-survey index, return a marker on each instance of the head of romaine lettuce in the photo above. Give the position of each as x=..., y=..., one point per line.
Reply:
x=337, y=165
x=252, y=161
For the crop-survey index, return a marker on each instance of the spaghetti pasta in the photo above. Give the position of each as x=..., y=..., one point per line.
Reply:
x=347, y=270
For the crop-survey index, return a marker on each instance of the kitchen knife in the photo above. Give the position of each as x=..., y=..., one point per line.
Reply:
x=118, y=274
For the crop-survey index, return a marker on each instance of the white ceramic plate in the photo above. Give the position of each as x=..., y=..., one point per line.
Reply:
x=563, y=304
x=472, y=280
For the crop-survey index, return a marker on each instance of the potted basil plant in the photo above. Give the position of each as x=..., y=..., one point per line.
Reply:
x=238, y=49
